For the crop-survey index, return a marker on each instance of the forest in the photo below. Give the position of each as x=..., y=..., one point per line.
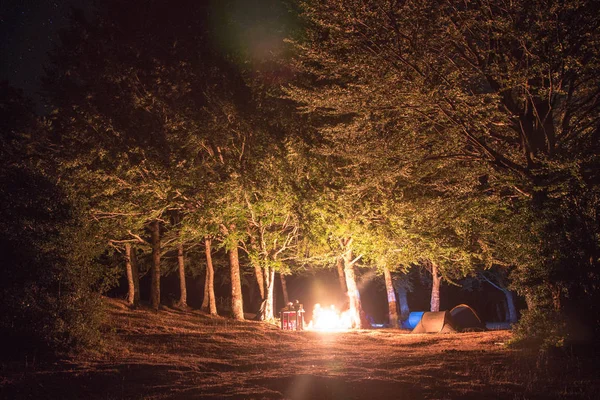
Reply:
x=226, y=146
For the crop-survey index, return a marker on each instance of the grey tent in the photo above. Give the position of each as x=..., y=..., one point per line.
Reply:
x=466, y=319
x=435, y=322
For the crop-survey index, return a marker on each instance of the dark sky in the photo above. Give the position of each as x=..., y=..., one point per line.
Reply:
x=28, y=30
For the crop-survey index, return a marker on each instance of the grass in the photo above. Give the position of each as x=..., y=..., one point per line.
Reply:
x=178, y=354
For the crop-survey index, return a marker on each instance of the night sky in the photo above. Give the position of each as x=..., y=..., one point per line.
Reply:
x=28, y=30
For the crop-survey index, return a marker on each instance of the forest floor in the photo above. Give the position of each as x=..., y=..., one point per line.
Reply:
x=178, y=354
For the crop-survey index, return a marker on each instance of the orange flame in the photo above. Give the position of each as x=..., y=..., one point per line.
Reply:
x=329, y=320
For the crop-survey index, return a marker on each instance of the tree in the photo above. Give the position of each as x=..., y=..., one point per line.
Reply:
x=275, y=228
x=391, y=297
x=403, y=285
x=498, y=279
x=237, y=305
x=510, y=88
x=211, y=306
x=48, y=298
x=154, y=123
x=133, y=282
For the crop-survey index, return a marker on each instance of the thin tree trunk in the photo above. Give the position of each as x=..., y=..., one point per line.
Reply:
x=136, y=277
x=353, y=293
x=286, y=298
x=258, y=272
x=260, y=280
x=237, y=306
x=181, y=269
x=391, y=298
x=341, y=277
x=205, y=300
x=510, y=305
x=402, y=297
x=155, y=277
x=270, y=306
x=210, y=278
x=131, y=269
x=435, y=288
x=530, y=300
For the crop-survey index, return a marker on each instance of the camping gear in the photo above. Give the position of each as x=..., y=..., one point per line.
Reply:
x=498, y=326
x=413, y=319
x=435, y=322
x=466, y=319
x=292, y=317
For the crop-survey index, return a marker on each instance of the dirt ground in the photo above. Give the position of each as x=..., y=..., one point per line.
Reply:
x=187, y=355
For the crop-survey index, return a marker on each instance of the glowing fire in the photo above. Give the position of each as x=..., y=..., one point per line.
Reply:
x=329, y=319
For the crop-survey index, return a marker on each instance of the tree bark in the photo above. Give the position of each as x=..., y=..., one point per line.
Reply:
x=286, y=298
x=133, y=291
x=391, y=298
x=435, y=288
x=181, y=270
x=258, y=272
x=353, y=293
x=341, y=277
x=510, y=305
x=205, y=300
x=237, y=306
x=530, y=300
x=136, y=277
x=260, y=280
x=270, y=306
x=403, y=302
x=155, y=277
x=210, y=279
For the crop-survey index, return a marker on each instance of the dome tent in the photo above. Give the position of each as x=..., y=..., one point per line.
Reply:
x=466, y=319
x=435, y=322
x=413, y=319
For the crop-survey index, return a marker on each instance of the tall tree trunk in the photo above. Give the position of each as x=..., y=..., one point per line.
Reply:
x=155, y=277
x=181, y=270
x=133, y=291
x=270, y=295
x=258, y=272
x=136, y=277
x=286, y=298
x=435, y=288
x=402, y=296
x=391, y=298
x=530, y=300
x=210, y=279
x=237, y=305
x=205, y=299
x=353, y=293
x=510, y=305
x=341, y=277
x=260, y=280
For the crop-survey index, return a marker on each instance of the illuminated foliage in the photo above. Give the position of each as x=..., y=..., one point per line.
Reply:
x=446, y=97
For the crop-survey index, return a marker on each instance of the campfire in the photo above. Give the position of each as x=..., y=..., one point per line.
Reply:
x=329, y=319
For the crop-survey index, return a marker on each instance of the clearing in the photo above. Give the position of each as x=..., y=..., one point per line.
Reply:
x=188, y=355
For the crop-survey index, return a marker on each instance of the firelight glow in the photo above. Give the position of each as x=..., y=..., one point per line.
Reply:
x=329, y=320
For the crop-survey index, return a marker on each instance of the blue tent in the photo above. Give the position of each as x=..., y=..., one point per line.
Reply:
x=413, y=319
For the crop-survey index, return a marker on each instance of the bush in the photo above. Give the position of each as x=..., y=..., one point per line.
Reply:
x=540, y=329
x=47, y=301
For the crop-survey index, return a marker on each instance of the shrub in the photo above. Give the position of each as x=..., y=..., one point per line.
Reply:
x=540, y=329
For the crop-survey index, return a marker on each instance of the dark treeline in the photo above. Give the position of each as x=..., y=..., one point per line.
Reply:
x=244, y=141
